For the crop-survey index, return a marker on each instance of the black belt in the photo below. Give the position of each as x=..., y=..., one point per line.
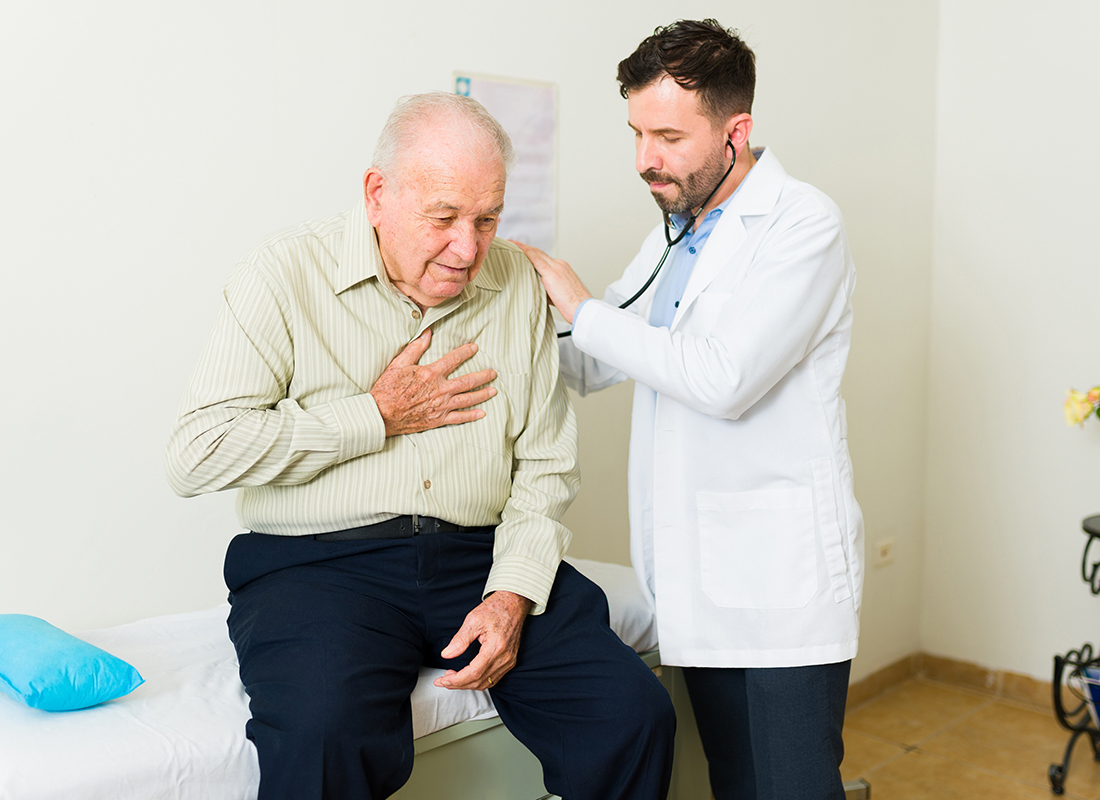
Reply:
x=397, y=528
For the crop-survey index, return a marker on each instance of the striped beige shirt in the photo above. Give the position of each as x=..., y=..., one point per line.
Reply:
x=279, y=406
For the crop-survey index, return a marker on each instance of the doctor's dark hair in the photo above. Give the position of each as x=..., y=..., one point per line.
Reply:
x=701, y=56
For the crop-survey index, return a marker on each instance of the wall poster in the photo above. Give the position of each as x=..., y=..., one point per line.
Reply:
x=528, y=111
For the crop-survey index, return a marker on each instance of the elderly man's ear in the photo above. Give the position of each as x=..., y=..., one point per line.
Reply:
x=374, y=186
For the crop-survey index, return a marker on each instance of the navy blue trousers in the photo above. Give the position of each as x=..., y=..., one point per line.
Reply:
x=330, y=636
x=772, y=734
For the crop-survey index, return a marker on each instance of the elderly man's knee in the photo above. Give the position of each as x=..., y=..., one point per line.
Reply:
x=662, y=714
x=645, y=708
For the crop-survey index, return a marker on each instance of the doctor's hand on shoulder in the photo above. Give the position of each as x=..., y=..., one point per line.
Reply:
x=565, y=289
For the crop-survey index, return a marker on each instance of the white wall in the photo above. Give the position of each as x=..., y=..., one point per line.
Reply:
x=145, y=147
x=1015, y=284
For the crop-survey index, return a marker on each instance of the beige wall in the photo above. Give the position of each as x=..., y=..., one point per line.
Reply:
x=145, y=147
x=1014, y=296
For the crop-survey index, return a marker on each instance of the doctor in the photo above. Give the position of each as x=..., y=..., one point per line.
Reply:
x=745, y=530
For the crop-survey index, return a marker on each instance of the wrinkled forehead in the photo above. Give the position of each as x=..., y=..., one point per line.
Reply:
x=452, y=176
x=449, y=140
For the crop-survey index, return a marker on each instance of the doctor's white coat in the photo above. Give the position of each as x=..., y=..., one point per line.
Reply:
x=745, y=531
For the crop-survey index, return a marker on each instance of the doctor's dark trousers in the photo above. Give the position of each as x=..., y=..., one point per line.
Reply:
x=330, y=636
x=771, y=733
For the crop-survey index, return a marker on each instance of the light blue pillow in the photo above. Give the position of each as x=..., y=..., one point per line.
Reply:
x=52, y=670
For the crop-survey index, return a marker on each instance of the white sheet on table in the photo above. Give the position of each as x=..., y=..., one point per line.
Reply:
x=181, y=734
x=178, y=735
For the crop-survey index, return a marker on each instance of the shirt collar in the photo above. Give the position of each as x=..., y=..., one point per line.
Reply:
x=361, y=259
x=762, y=185
x=679, y=220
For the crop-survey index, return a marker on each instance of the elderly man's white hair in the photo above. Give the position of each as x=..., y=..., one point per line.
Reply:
x=414, y=111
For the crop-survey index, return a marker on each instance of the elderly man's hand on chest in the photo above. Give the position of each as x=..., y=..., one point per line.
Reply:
x=413, y=398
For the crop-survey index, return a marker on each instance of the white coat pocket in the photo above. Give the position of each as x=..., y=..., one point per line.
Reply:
x=758, y=548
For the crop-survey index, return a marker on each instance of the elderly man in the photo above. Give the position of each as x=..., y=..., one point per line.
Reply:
x=400, y=516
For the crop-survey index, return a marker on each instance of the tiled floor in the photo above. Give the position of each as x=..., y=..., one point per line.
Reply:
x=923, y=739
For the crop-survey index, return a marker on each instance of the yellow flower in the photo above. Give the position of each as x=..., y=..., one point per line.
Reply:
x=1078, y=406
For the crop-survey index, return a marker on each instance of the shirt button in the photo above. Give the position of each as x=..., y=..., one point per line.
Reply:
x=416, y=314
x=691, y=250
x=427, y=484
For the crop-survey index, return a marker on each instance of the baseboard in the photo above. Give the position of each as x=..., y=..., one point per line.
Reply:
x=886, y=678
x=996, y=682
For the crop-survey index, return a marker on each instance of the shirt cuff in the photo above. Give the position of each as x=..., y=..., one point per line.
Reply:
x=360, y=424
x=522, y=576
x=582, y=323
x=577, y=311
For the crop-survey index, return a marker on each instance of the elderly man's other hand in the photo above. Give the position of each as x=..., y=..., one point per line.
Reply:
x=497, y=624
x=565, y=289
x=413, y=398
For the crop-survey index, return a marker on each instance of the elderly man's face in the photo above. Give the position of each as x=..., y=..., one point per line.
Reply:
x=436, y=221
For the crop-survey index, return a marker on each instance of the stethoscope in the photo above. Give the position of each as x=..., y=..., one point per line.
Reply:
x=669, y=241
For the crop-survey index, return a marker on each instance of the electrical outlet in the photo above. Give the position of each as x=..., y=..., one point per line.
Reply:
x=883, y=553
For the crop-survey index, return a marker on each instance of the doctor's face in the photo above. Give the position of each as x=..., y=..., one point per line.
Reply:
x=679, y=152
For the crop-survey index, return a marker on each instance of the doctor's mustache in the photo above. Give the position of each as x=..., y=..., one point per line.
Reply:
x=652, y=176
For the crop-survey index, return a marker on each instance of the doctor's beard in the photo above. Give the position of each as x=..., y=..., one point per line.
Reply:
x=693, y=189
